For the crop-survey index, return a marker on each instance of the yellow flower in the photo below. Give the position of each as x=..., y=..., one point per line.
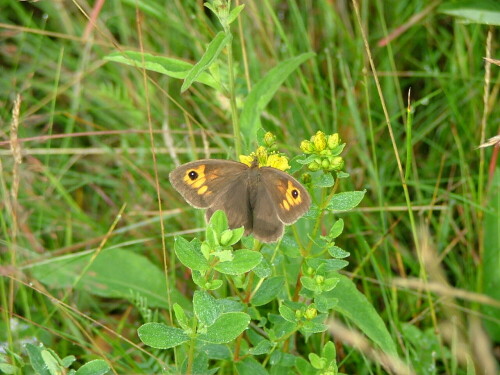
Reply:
x=246, y=159
x=277, y=161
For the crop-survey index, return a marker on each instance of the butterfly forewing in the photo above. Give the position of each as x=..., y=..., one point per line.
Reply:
x=290, y=198
x=202, y=182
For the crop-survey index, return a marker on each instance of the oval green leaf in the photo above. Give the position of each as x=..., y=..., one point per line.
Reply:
x=160, y=336
x=226, y=328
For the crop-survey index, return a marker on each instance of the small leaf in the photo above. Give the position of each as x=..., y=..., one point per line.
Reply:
x=263, y=269
x=36, y=360
x=287, y=313
x=268, y=291
x=214, y=284
x=313, y=327
x=213, y=50
x=51, y=363
x=316, y=361
x=263, y=347
x=189, y=255
x=324, y=180
x=161, y=336
x=346, y=201
x=218, y=221
x=325, y=303
x=243, y=261
x=329, y=352
x=337, y=252
x=226, y=328
x=171, y=67
x=95, y=367
x=309, y=283
x=304, y=367
x=206, y=308
x=337, y=229
x=68, y=360
x=485, y=12
x=181, y=317
x=8, y=369
x=250, y=366
x=234, y=13
x=328, y=265
x=237, y=234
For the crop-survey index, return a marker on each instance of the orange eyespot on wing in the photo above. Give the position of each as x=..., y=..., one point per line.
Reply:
x=196, y=179
x=292, y=195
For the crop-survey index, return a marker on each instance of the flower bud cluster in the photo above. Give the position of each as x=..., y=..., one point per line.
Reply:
x=326, y=148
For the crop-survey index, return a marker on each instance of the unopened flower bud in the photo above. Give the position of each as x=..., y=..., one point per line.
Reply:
x=320, y=141
x=333, y=141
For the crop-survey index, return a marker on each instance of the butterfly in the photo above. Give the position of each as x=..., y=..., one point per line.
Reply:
x=261, y=199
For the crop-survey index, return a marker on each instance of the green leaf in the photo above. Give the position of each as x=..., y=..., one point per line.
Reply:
x=213, y=51
x=250, y=366
x=476, y=11
x=337, y=229
x=325, y=303
x=95, y=367
x=346, y=201
x=234, y=13
x=310, y=284
x=226, y=328
x=243, y=261
x=329, y=352
x=313, y=327
x=36, y=360
x=68, y=360
x=170, y=67
x=189, y=255
x=114, y=273
x=161, y=336
x=263, y=347
x=206, y=308
x=491, y=257
x=262, y=94
x=316, y=361
x=268, y=291
x=218, y=221
x=337, y=252
x=328, y=265
x=354, y=306
x=287, y=313
x=51, y=363
x=181, y=317
x=323, y=180
x=304, y=367
x=263, y=269
x=8, y=369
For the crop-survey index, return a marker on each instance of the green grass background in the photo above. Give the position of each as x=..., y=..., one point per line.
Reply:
x=84, y=135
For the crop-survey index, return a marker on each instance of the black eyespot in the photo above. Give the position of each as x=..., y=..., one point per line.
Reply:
x=295, y=193
x=193, y=175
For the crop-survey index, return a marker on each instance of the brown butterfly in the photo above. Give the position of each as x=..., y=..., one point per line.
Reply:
x=261, y=199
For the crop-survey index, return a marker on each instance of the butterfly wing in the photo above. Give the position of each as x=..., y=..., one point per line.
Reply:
x=267, y=226
x=291, y=200
x=216, y=185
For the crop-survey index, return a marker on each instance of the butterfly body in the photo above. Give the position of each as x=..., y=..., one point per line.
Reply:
x=261, y=199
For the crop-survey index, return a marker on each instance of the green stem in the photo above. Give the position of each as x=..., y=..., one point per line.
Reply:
x=232, y=99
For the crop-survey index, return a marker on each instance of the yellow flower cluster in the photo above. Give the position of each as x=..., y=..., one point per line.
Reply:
x=327, y=149
x=266, y=159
